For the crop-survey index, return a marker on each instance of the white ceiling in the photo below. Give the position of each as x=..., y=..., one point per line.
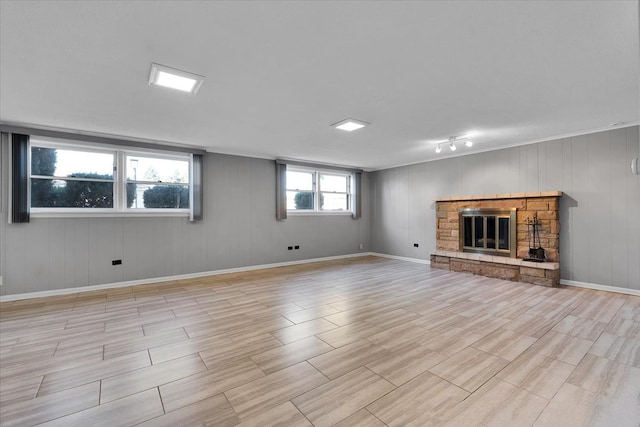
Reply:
x=279, y=73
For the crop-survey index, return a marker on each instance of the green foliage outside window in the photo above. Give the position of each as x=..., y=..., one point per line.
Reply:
x=43, y=162
x=304, y=200
x=74, y=193
x=166, y=196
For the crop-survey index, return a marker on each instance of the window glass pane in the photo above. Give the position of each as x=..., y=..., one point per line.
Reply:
x=333, y=183
x=141, y=168
x=299, y=181
x=54, y=193
x=491, y=232
x=468, y=240
x=300, y=200
x=334, y=202
x=479, y=231
x=149, y=196
x=503, y=230
x=65, y=162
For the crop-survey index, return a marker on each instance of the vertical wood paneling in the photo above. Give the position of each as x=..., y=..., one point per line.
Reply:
x=38, y=255
x=105, y=245
x=551, y=177
x=499, y=168
x=532, y=167
x=633, y=198
x=524, y=184
x=567, y=206
x=542, y=166
x=265, y=231
x=514, y=169
x=579, y=217
x=619, y=209
x=146, y=241
x=243, y=211
x=164, y=250
x=599, y=207
x=420, y=213
x=130, y=250
x=57, y=251
x=77, y=257
x=92, y=249
x=4, y=217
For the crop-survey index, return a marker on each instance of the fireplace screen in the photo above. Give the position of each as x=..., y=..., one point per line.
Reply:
x=488, y=231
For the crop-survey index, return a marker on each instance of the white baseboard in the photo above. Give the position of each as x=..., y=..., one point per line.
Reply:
x=67, y=291
x=402, y=258
x=595, y=286
x=600, y=287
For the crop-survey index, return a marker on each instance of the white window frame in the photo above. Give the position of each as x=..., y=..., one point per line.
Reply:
x=120, y=208
x=154, y=155
x=317, y=190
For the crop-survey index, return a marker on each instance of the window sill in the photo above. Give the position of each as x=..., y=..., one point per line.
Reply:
x=109, y=214
x=313, y=213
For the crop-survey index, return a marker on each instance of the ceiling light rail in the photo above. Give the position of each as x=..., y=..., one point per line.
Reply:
x=452, y=143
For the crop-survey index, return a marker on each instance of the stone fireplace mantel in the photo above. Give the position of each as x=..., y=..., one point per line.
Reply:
x=529, y=195
x=544, y=206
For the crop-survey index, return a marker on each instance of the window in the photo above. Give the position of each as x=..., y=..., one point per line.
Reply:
x=72, y=178
x=317, y=191
x=157, y=183
x=75, y=178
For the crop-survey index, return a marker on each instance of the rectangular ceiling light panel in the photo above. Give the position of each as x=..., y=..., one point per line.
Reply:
x=161, y=75
x=350, y=125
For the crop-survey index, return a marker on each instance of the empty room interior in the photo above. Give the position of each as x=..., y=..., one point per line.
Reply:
x=319, y=213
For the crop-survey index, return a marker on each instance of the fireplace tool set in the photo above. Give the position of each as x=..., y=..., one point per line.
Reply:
x=536, y=251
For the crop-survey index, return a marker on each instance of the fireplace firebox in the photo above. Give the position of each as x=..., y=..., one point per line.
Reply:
x=488, y=231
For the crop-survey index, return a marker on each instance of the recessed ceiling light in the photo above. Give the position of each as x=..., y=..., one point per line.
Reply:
x=161, y=75
x=350, y=125
x=468, y=143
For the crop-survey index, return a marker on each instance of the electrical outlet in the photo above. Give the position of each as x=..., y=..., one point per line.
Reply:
x=296, y=247
x=415, y=245
x=116, y=262
x=361, y=246
x=1, y=282
x=289, y=248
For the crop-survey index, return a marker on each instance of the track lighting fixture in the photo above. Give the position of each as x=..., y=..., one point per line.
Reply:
x=452, y=143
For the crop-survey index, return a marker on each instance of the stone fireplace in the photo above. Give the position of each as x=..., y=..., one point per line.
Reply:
x=492, y=235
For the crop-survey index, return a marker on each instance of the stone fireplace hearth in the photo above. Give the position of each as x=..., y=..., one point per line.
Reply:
x=455, y=254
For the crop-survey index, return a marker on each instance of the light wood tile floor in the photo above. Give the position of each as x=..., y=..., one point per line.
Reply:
x=358, y=342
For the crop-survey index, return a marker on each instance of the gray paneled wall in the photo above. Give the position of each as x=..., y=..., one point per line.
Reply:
x=239, y=230
x=599, y=213
x=600, y=225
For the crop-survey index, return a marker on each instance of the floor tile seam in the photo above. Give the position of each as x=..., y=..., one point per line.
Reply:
x=490, y=378
x=372, y=414
x=75, y=412
x=509, y=361
x=248, y=410
x=299, y=410
x=534, y=393
x=615, y=360
x=82, y=384
x=380, y=377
